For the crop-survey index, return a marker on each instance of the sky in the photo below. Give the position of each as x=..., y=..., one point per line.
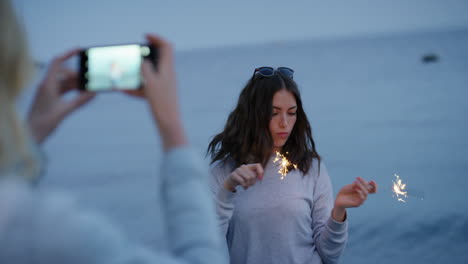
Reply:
x=55, y=26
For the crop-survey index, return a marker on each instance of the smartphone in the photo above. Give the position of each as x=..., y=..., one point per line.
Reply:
x=115, y=67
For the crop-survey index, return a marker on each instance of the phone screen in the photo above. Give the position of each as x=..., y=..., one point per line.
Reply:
x=113, y=67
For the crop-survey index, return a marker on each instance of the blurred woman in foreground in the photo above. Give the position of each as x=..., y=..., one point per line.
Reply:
x=38, y=227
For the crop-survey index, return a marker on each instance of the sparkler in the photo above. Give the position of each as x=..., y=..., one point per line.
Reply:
x=401, y=192
x=399, y=189
x=284, y=163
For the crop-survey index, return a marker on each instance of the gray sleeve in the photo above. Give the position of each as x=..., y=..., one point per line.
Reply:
x=330, y=236
x=64, y=233
x=189, y=208
x=45, y=228
x=222, y=197
x=50, y=228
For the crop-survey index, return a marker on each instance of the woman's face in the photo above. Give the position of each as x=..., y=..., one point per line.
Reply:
x=284, y=117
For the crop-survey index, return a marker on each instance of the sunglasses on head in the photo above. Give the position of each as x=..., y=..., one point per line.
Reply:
x=270, y=71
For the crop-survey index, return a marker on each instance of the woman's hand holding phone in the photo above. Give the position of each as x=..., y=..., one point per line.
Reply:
x=49, y=107
x=160, y=89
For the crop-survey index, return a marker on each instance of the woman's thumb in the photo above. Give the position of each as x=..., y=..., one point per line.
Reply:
x=147, y=70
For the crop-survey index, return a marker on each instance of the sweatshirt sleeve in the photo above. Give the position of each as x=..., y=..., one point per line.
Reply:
x=222, y=197
x=51, y=228
x=189, y=209
x=330, y=236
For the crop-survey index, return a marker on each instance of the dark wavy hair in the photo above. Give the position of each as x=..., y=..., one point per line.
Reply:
x=246, y=136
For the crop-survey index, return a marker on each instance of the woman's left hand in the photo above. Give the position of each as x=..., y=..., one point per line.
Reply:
x=49, y=107
x=352, y=195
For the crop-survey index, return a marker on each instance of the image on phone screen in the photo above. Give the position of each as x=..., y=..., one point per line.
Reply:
x=113, y=67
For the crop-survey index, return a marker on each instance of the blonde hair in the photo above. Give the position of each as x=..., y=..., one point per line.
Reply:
x=15, y=68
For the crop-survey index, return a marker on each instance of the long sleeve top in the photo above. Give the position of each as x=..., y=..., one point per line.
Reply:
x=43, y=227
x=279, y=221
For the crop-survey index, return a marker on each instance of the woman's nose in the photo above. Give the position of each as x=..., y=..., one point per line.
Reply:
x=283, y=121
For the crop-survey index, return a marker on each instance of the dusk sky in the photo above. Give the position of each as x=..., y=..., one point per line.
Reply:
x=55, y=26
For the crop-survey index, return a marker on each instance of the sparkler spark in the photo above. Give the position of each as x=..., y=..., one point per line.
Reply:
x=399, y=189
x=284, y=163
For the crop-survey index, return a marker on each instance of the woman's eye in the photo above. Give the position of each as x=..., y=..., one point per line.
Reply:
x=292, y=114
x=275, y=114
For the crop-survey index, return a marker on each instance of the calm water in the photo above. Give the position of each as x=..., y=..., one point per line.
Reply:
x=375, y=109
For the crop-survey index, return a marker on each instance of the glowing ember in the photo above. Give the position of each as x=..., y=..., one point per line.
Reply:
x=284, y=163
x=399, y=189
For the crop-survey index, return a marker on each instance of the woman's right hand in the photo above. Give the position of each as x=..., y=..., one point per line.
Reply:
x=160, y=89
x=245, y=175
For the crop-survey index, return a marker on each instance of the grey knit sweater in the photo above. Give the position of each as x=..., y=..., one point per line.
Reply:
x=279, y=221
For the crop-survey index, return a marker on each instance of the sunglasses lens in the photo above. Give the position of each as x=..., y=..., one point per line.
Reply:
x=269, y=71
x=266, y=71
x=286, y=72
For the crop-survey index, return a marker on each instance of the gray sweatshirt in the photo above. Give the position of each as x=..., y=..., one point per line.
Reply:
x=48, y=228
x=279, y=221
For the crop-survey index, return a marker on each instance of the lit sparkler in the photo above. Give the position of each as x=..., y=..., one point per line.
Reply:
x=399, y=189
x=401, y=192
x=284, y=163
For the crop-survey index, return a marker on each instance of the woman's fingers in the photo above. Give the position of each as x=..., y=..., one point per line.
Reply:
x=147, y=70
x=68, y=54
x=238, y=179
x=242, y=177
x=361, y=189
x=373, y=185
x=364, y=188
x=360, y=193
x=135, y=93
x=258, y=169
x=57, y=62
x=68, y=80
x=248, y=175
x=362, y=185
x=356, y=193
x=78, y=101
x=164, y=49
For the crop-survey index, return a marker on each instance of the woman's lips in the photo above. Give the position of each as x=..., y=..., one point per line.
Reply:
x=283, y=134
